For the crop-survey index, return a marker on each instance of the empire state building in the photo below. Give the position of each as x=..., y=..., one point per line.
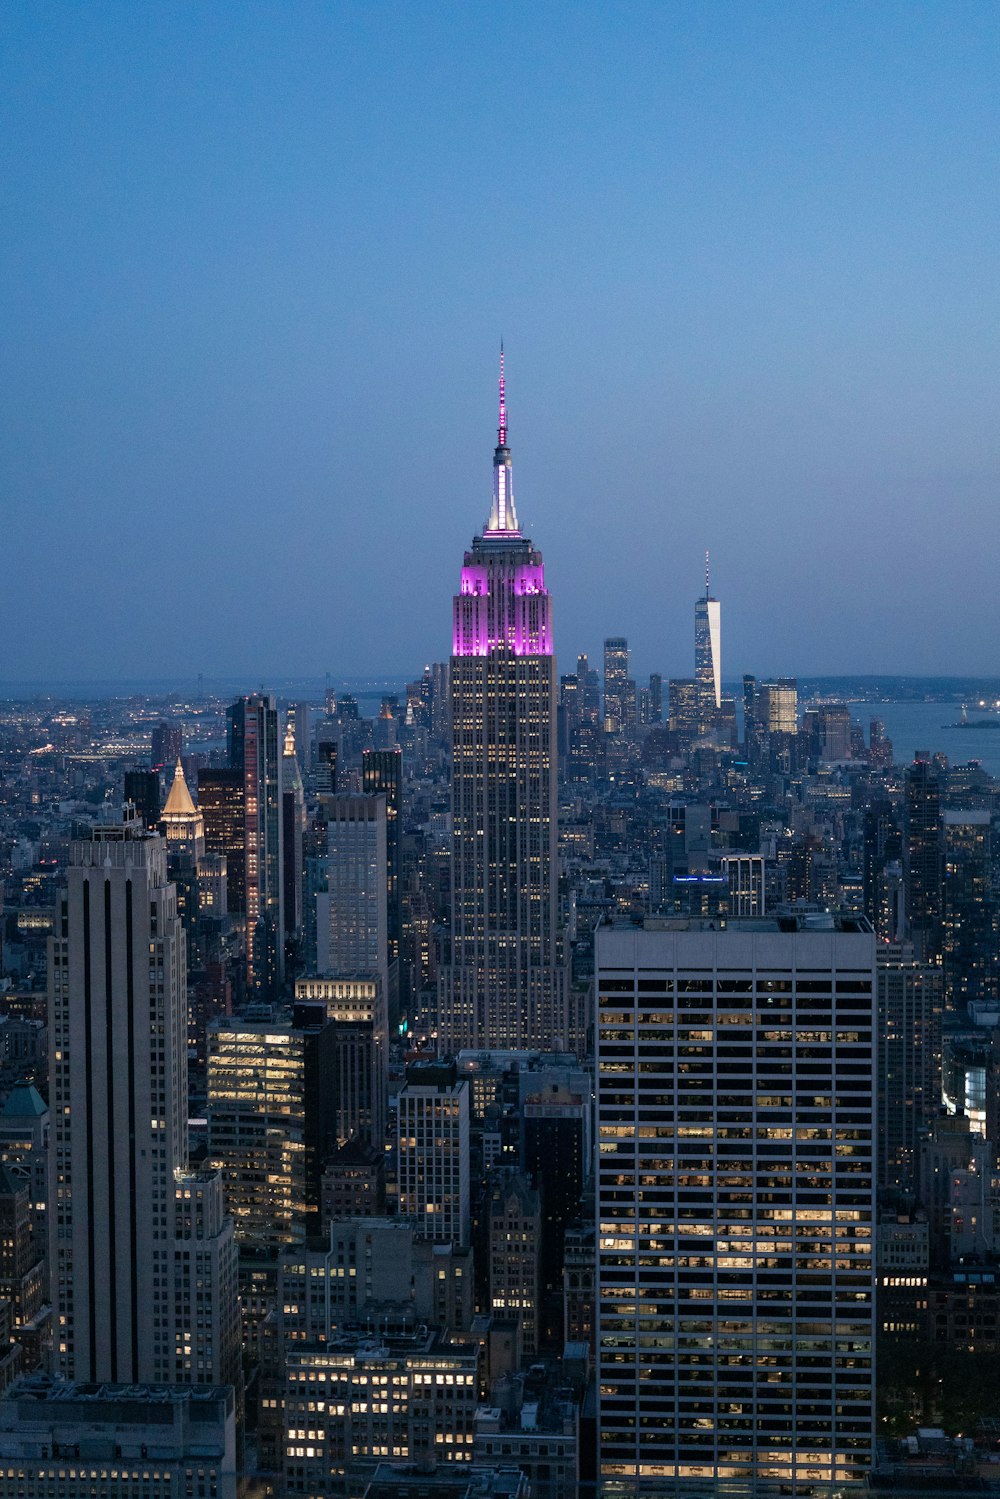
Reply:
x=504, y=987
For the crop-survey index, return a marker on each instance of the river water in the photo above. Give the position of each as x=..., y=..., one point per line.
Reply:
x=929, y=726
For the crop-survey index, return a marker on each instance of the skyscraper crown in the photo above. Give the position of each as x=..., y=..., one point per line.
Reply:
x=503, y=515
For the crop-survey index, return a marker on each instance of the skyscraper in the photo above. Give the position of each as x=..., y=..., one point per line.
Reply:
x=616, y=680
x=120, y=1227
x=348, y=889
x=433, y=1152
x=382, y=775
x=220, y=801
x=119, y=1125
x=968, y=908
x=357, y=1070
x=166, y=745
x=142, y=789
x=707, y=657
x=909, y=1059
x=269, y=1124
x=293, y=822
x=504, y=986
x=736, y=1308
x=182, y=825
x=922, y=855
x=255, y=752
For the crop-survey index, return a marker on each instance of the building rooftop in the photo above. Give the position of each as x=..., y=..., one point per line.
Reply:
x=44, y=1390
x=24, y=1102
x=787, y=919
x=407, y=1481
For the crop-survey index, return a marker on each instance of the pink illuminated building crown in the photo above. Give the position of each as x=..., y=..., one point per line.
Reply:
x=503, y=604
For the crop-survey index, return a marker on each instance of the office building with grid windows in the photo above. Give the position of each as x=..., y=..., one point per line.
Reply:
x=735, y=1199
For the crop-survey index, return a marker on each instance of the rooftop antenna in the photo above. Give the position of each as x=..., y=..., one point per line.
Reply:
x=502, y=425
x=707, y=592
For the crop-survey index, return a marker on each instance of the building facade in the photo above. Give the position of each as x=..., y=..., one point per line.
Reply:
x=910, y=1007
x=126, y=1222
x=735, y=1196
x=118, y=1010
x=433, y=1156
x=505, y=985
x=255, y=753
x=708, y=658
x=106, y=1441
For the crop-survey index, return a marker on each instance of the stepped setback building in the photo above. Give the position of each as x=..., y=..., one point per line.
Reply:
x=504, y=986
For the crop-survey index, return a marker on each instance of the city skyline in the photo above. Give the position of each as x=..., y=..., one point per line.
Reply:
x=250, y=328
x=437, y=1064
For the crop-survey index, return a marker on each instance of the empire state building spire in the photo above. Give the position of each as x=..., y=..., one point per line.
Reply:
x=503, y=516
x=504, y=986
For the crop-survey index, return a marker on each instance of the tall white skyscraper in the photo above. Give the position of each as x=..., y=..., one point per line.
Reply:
x=708, y=657
x=504, y=986
x=736, y=1291
x=123, y=1230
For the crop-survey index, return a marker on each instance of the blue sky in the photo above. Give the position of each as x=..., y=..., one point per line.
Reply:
x=257, y=260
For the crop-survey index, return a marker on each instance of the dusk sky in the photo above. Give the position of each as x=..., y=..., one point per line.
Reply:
x=258, y=259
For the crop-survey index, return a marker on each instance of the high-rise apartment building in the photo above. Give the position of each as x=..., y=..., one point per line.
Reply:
x=735, y=1202
x=504, y=985
x=256, y=753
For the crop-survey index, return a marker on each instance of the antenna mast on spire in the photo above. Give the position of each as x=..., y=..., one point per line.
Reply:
x=502, y=426
x=708, y=593
x=503, y=516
